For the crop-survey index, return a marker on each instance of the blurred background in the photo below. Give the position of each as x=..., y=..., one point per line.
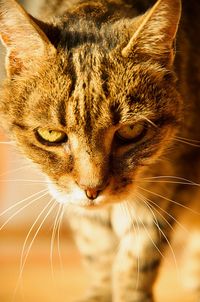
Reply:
x=49, y=274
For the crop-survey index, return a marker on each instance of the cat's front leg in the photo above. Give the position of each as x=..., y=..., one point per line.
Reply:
x=136, y=264
x=97, y=243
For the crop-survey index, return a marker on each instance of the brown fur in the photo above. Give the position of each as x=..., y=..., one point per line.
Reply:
x=95, y=68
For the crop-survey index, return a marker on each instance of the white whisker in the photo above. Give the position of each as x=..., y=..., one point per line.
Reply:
x=21, y=201
x=163, y=234
x=21, y=209
x=170, y=182
x=29, y=232
x=7, y=143
x=173, y=201
x=193, y=143
x=144, y=200
x=188, y=139
x=172, y=217
x=33, y=239
x=147, y=232
x=55, y=226
x=173, y=182
x=28, y=181
x=15, y=170
x=58, y=237
x=167, y=240
x=137, y=242
x=170, y=177
x=149, y=121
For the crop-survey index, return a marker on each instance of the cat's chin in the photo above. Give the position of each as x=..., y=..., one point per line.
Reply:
x=77, y=197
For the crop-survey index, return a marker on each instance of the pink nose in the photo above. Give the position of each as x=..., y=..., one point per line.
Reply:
x=92, y=193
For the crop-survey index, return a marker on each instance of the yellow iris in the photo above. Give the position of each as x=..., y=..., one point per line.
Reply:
x=52, y=136
x=131, y=132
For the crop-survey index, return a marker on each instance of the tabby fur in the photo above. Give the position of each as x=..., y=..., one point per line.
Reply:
x=87, y=68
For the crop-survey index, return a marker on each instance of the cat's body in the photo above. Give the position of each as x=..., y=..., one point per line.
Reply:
x=95, y=103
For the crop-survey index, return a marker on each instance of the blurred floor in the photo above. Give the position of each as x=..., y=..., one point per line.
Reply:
x=39, y=284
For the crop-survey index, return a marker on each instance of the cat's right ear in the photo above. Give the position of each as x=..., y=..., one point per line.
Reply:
x=155, y=33
x=25, y=42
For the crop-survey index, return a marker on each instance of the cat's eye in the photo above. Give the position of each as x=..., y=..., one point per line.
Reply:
x=51, y=137
x=132, y=133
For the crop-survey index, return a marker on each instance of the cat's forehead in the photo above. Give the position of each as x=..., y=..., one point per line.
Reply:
x=100, y=87
x=89, y=88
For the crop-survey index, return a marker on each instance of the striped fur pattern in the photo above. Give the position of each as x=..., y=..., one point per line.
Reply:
x=90, y=70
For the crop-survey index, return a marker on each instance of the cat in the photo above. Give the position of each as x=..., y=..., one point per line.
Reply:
x=104, y=97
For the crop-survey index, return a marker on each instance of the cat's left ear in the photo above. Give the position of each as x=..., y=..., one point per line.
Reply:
x=25, y=42
x=155, y=32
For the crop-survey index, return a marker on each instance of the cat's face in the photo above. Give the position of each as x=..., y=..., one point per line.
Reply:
x=92, y=118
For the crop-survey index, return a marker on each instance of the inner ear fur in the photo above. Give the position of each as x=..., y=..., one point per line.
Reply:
x=25, y=42
x=154, y=32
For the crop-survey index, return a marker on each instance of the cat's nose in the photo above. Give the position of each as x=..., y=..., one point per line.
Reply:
x=92, y=193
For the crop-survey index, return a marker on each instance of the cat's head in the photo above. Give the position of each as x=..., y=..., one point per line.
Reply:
x=92, y=102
